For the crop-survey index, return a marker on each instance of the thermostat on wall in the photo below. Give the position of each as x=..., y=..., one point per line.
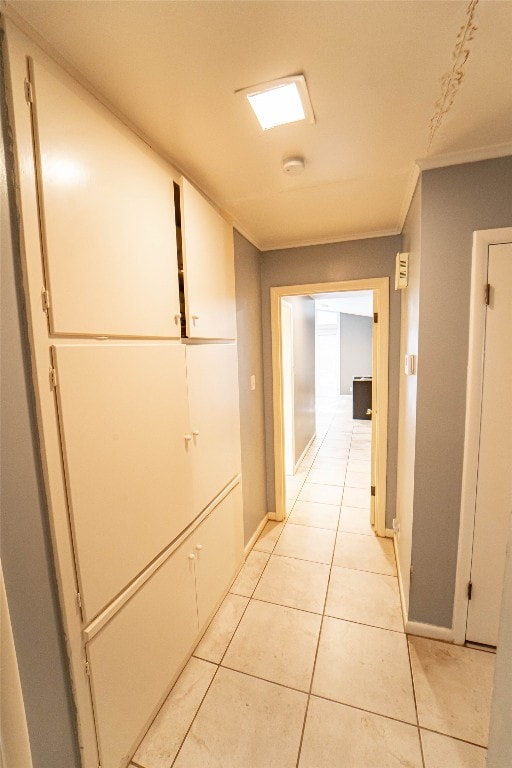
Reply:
x=401, y=271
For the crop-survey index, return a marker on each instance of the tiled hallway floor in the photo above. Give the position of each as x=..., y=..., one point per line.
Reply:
x=306, y=663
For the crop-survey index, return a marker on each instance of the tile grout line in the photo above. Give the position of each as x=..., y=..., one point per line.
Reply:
x=319, y=637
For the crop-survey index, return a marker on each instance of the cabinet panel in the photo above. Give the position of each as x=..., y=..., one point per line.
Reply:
x=123, y=416
x=207, y=242
x=220, y=541
x=135, y=657
x=108, y=211
x=212, y=378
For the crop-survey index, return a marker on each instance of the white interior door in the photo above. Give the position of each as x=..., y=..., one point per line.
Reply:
x=288, y=384
x=494, y=479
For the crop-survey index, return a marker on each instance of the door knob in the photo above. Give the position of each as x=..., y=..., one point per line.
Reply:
x=191, y=557
x=369, y=411
x=199, y=547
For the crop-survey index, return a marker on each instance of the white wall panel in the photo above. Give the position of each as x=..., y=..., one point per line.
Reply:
x=208, y=261
x=212, y=379
x=108, y=218
x=135, y=657
x=123, y=415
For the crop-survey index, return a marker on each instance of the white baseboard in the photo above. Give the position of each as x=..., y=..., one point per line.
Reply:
x=254, y=538
x=431, y=631
x=306, y=449
x=390, y=534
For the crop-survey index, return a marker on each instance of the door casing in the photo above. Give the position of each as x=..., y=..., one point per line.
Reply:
x=380, y=288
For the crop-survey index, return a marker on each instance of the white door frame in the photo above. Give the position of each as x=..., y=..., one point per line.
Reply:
x=380, y=287
x=481, y=242
x=288, y=389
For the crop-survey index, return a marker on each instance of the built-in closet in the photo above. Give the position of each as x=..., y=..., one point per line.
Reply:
x=129, y=284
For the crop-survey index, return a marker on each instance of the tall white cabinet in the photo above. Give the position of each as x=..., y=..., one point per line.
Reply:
x=137, y=394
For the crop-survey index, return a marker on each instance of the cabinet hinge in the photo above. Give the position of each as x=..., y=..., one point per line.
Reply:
x=487, y=294
x=372, y=490
x=79, y=599
x=470, y=589
x=87, y=668
x=375, y=317
x=29, y=98
x=53, y=378
x=45, y=300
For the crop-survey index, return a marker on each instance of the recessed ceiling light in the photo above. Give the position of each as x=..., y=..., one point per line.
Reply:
x=280, y=102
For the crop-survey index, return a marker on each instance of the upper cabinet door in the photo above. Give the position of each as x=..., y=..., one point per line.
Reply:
x=107, y=218
x=208, y=262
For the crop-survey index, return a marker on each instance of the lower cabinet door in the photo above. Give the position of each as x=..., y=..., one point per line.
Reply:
x=134, y=658
x=218, y=544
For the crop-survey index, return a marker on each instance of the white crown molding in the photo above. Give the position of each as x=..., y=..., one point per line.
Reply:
x=332, y=239
x=409, y=194
x=465, y=156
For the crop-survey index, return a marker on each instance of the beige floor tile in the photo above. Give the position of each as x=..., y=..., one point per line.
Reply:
x=245, y=582
x=358, y=465
x=329, y=463
x=276, y=644
x=327, y=476
x=453, y=688
x=315, y=515
x=357, y=480
x=368, y=598
x=269, y=536
x=294, y=583
x=333, y=452
x=365, y=553
x=365, y=667
x=355, y=520
x=245, y=723
x=324, y=494
x=161, y=744
x=357, y=497
x=336, y=735
x=306, y=543
x=216, y=639
x=445, y=752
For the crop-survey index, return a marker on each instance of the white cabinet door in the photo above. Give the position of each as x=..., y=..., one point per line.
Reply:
x=135, y=657
x=208, y=261
x=218, y=545
x=212, y=378
x=123, y=417
x=107, y=205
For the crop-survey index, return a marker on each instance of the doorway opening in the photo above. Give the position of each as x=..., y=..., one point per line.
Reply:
x=335, y=382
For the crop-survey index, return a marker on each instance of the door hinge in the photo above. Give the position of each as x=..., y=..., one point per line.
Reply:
x=45, y=300
x=375, y=317
x=488, y=294
x=29, y=97
x=470, y=589
x=53, y=378
x=79, y=599
x=372, y=490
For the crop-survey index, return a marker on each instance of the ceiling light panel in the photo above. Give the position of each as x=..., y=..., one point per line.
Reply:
x=280, y=102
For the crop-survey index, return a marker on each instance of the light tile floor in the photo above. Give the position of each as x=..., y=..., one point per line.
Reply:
x=306, y=664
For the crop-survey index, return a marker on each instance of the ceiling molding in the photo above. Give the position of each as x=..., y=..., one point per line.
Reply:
x=409, y=194
x=465, y=156
x=333, y=239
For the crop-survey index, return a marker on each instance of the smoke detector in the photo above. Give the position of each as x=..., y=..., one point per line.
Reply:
x=292, y=166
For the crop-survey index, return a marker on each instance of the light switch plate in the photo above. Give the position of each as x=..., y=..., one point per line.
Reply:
x=410, y=365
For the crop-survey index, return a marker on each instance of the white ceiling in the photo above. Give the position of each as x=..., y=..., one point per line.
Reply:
x=374, y=72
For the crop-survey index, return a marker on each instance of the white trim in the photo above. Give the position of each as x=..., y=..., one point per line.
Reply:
x=341, y=238
x=254, y=538
x=389, y=534
x=403, y=603
x=380, y=287
x=481, y=241
x=465, y=156
x=409, y=194
x=431, y=631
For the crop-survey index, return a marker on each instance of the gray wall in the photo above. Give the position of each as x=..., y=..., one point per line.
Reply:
x=355, y=349
x=25, y=546
x=333, y=262
x=455, y=201
x=304, y=422
x=250, y=362
x=500, y=732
